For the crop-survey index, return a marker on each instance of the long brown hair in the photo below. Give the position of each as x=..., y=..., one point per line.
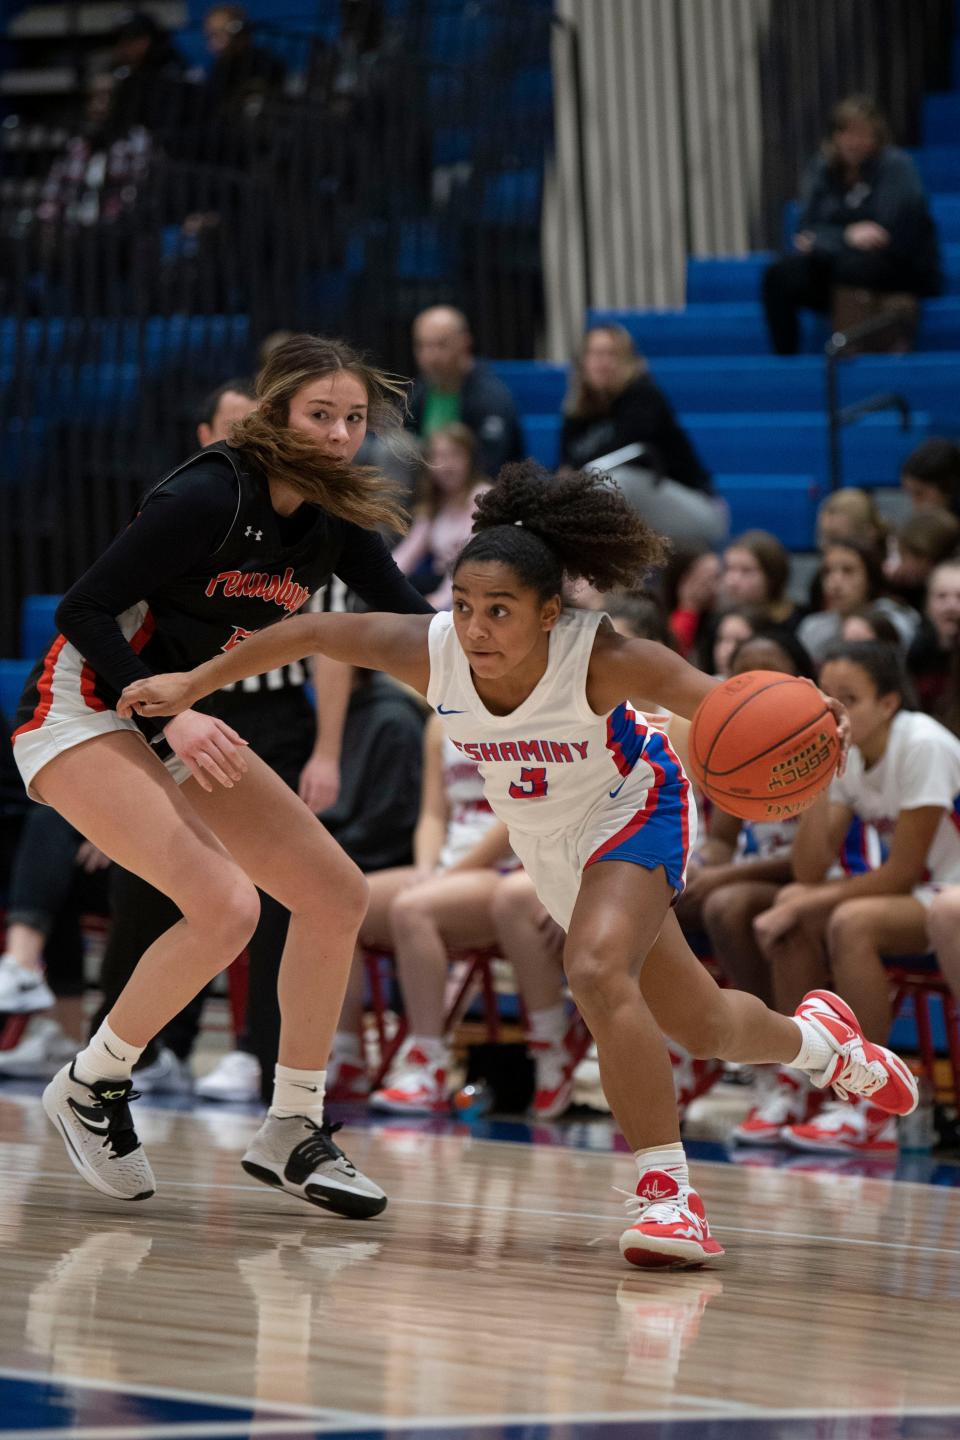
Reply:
x=582, y=401
x=357, y=493
x=429, y=498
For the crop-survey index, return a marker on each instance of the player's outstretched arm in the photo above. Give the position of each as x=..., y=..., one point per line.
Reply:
x=396, y=644
x=622, y=669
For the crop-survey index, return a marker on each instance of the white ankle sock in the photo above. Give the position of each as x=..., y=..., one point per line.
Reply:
x=548, y=1027
x=668, y=1158
x=298, y=1092
x=815, y=1052
x=106, y=1057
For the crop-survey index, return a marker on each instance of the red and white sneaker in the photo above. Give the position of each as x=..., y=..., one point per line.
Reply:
x=691, y=1077
x=418, y=1088
x=859, y=1067
x=786, y=1099
x=347, y=1079
x=553, y=1085
x=671, y=1226
x=846, y=1127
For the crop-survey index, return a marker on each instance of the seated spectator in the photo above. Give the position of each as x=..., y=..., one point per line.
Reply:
x=756, y=569
x=443, y=516
x=851, y=577
x=56, y=876
x=148, y=77
x=691, y=579
x=417, y=911
x=902, y=776
x=613, y=402
x=864, y=222
x=453, y=385
x=739, y=866
x=922, y=542
x=930, y=659
x=733, y=625
x=243, y=73
x=930, y=475
x=850, y=514
x=869, y=623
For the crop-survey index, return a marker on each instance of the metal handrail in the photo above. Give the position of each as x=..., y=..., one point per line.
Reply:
x=837, y=348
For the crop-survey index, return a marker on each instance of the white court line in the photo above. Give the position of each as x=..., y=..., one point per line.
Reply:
x=171, y=1392
x=713, y=1411
x=555, y=1215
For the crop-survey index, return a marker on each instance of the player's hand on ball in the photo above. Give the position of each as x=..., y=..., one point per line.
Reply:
x=209, y=748
x=159, y=695
x=843, y=729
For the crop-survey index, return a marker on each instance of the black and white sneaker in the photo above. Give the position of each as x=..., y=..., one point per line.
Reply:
x=296, y=1155
x=22, y=992
x=97, y=1129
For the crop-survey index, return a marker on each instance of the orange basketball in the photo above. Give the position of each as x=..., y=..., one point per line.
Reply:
x=763, y=745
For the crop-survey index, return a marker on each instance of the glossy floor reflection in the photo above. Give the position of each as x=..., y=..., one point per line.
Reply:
x=489, y=1296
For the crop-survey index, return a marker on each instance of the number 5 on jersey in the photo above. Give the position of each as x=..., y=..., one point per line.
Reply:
x=533, y=784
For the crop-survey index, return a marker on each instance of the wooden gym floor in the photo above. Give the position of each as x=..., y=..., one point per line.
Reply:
x=489, y=1300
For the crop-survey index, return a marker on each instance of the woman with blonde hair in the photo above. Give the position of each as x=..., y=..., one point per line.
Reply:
x=612, y=403
x=239, y=536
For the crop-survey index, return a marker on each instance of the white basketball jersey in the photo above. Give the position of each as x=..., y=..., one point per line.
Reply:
x=468, y=807
x=552, y=764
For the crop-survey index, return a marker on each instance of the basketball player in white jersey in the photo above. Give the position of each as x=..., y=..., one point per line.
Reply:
x=597, y=805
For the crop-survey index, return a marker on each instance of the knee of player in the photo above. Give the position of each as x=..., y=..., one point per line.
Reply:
x=943, y=919
x=847, y=926
x=593, y=974
x=512, y=894
x=408, y=910
x=234, y=908
x=724, y=908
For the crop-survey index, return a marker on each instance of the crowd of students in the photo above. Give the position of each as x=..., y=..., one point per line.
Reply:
x=872, y=869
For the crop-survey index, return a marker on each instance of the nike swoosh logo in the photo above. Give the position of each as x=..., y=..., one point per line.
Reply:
x=121, y=1058
x=298, y=1085
x=95, y=1127
x=615, y=793
x=442, y=711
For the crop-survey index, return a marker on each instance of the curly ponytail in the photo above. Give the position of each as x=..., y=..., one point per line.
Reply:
x=574, y=523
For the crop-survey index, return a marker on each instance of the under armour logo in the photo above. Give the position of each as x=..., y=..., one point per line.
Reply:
x=257, y=534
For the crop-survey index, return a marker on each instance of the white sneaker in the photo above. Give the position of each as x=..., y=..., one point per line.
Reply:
x=293, y=1154
x=167, y=1075
x=22, y=991
x=784, y=1098
x=95, y=1125
x=418, y=1088
x=235, y=1077
x=42, y=1050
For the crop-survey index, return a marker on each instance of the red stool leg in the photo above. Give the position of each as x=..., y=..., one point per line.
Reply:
x=11, y=1031
x=951, y=1015
x=238, y=992
x=928, y=1057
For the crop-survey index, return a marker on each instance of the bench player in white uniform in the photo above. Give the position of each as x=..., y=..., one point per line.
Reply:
x=903, y=778
x=597, y=805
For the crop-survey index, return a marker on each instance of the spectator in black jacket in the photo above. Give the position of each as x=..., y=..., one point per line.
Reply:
x=613, y=402
x=864, y=222
x=453, y=385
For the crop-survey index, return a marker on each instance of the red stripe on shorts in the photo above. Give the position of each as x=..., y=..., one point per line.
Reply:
x=88, y=677
x=635, y=823
x=44, y=688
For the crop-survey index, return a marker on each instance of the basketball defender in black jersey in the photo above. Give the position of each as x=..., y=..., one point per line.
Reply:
x=237, y=538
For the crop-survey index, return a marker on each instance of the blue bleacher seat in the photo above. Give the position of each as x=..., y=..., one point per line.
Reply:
x=724, y=277
x=941, y=118
x=786, y=505
x=13, y=677
x=718, y=329
x=423, y=253
x=786, y=443
x=939, y=166
x=537, y=386
x=512, y=197
x=37, y=625
x=541, y=437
